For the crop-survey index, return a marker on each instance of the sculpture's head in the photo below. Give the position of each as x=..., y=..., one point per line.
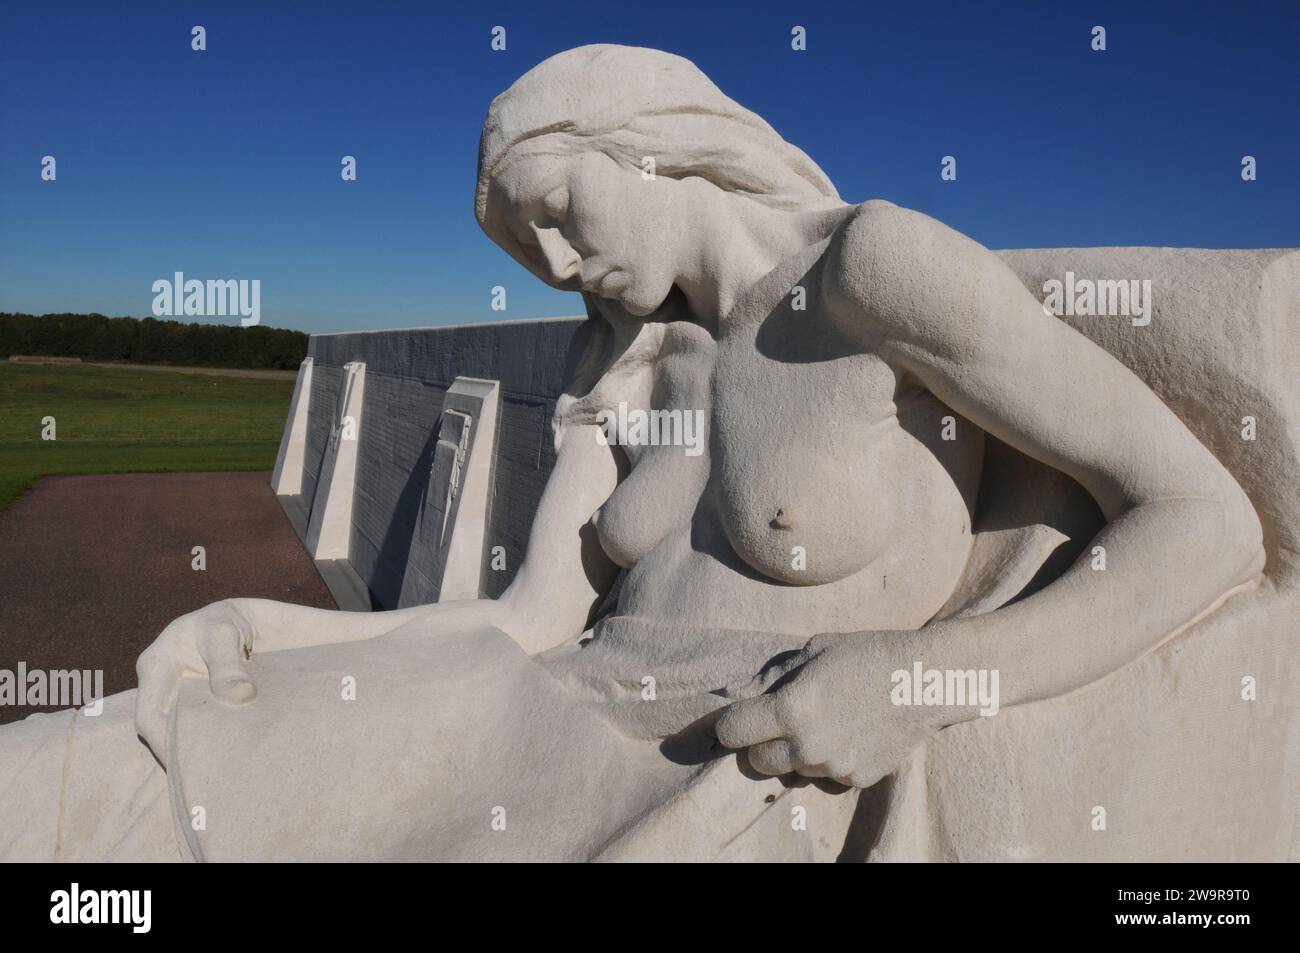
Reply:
x=561, y=162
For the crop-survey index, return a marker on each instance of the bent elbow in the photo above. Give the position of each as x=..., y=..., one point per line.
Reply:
x=1243, y=535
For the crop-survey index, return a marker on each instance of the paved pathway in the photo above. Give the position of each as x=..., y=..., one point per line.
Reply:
x=92, y=568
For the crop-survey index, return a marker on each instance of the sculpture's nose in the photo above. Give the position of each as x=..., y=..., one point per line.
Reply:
x=561, y=260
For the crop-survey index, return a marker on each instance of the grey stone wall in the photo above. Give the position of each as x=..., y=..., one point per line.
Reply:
x=407, y=374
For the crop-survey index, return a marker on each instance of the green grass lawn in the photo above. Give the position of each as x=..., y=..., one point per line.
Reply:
x=117, y=420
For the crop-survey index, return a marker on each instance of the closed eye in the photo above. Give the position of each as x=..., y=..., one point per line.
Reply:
x=556, y=204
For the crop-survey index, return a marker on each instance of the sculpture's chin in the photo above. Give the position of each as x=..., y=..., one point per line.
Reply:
x=638, y=309
x=670, y=307
x=635, y=299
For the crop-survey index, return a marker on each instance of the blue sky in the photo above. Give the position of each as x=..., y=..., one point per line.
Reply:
x=226, y=163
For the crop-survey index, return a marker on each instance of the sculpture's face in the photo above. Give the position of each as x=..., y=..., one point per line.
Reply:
x=585, y=223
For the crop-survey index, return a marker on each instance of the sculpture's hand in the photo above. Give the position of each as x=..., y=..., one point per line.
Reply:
x=215, y=641
x=829, y=715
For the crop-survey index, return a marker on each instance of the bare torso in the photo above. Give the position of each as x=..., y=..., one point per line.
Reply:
x=827, y=498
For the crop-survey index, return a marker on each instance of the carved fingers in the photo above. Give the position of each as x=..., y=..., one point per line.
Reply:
x=778, y=729
x=215, y=641
x=225, y=644
x=827, y=718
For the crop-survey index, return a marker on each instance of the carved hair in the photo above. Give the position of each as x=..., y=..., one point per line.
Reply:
x=628, y=103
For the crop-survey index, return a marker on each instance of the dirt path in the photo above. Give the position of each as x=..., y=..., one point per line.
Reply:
x=94, y=567
x=209, y=371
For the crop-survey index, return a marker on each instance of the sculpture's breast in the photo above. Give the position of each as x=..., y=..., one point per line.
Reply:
x=666, y=443
x=806, y=456
x=824, y=458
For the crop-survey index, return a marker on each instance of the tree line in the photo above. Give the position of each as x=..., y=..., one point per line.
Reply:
x=94, y=337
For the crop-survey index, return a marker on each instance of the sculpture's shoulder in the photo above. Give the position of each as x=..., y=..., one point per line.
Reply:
x=886, y=262
x=846, y=279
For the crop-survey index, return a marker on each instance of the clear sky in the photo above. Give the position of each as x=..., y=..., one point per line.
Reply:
x=226, y=163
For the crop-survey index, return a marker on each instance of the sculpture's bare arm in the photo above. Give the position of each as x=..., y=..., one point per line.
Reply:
x=1180, y=531
x=1180, y=534
x=565, y=574
x=558, y=586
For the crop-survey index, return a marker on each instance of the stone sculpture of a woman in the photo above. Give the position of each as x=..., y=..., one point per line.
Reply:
x=850, y=361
